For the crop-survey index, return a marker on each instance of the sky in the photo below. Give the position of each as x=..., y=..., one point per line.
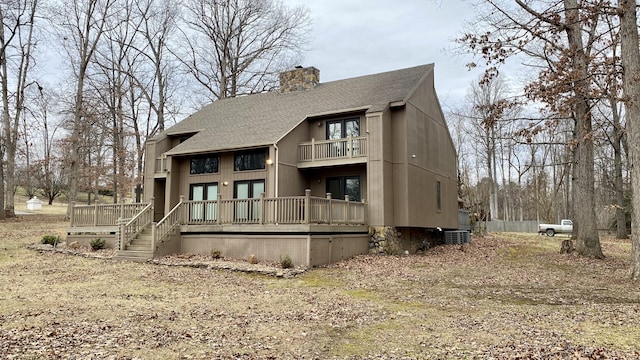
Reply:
x=360, y=37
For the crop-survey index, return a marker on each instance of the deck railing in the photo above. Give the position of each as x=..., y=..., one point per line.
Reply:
x=349, y=147
x=103, y=215
x=133, y=227
x=132, y=219
x=163, y=228
x=282, y=210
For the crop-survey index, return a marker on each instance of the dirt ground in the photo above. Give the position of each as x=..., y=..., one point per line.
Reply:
x=505, y=296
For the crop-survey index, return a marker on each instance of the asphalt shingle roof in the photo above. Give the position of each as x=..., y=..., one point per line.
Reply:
x=262, y=119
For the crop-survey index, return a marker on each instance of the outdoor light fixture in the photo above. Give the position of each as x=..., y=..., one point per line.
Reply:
x=225, y=183
x=269, y=162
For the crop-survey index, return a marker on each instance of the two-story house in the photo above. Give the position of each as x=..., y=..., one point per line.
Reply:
x=304, y=171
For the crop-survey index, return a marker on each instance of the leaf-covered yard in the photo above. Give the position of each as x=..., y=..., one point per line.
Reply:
x=506, y=296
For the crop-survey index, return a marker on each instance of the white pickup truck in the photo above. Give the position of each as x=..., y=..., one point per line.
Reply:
x=565, y=227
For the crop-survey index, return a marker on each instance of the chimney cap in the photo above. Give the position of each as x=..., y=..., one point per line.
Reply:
x=298, y=66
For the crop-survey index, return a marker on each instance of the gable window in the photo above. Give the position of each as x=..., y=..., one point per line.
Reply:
x=204, y=165
x=339, y=129
x=344, y=185
x=438, y=196
x=250, y=160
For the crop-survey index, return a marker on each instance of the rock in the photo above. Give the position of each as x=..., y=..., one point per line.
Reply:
x=252, y=259
x=74, y=245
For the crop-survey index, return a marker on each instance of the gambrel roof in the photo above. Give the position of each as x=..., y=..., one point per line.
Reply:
x=262, y=119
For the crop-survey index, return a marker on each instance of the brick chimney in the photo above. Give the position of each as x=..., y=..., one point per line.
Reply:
x=299, y=79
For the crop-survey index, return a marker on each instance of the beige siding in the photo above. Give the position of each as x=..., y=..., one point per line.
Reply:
x=225, y=174
x=264, y=247
x=326, y=249
x=380, y=169
x=423, y=155
x=291, y=181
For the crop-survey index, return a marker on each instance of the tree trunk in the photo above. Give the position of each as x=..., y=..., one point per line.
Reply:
x=588, y=241
x=631, y=85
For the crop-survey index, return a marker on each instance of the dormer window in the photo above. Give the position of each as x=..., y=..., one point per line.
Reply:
x=339, y=129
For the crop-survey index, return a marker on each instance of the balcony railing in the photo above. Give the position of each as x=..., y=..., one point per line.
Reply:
x=345, y=148
x=162, y=163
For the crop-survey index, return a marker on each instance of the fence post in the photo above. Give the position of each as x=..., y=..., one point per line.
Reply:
x=307, y=205
x=330, y=209
x=346, y=209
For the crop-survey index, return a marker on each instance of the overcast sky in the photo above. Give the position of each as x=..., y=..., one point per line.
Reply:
x=359, y=37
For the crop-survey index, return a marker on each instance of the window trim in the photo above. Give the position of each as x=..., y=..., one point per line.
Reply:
x=262, y=151
x=343, y=126
x=343, y=186
x=204, y=157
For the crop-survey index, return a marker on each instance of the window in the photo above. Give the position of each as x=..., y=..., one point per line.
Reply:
x=204, y=165
x=344, y=185
x=250, y=160
x=438, y=197
x=339, y=129
x=248, y=190
x=199, y=209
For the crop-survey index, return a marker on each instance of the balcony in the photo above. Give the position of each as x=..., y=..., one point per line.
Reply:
x=349, y=150
x=162, y=167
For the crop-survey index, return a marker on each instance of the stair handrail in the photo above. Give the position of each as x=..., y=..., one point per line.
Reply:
x=164, y=227
x=135, y=225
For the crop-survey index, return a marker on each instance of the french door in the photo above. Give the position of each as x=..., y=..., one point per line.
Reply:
x=199, y=209
x=249, y=190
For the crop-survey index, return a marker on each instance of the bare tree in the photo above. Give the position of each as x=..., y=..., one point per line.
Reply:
x=239, y=46
x=17, y=23
x=630, y=55
x=81, y=25
x=551, y=37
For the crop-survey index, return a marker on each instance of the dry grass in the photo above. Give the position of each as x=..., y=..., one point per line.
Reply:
x=506, y=296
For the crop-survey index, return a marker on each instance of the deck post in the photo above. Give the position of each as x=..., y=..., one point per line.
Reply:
x=71, y=217
x=350, y=146
x=95, y=213
x=153, y=237
x=364, y=211
x=122, y=209
x=313, y=149
x=180, y=215
x=307, y=205
x=261, y=214
x=218, y=214
x=346, y=209
x=120, y=234
x=330, y=212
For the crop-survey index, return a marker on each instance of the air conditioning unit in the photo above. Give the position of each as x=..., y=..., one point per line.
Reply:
x=456, y=237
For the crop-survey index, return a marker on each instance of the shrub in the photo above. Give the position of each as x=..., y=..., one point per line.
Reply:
x=97, y=244
x=51, y=240
x=216, y=254
x=286, y=262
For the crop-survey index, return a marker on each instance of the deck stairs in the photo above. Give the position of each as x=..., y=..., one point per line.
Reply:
x=139, y=249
